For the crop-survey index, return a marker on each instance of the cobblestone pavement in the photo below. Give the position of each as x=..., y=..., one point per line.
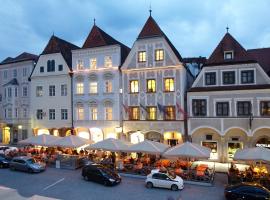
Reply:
x=68, y=185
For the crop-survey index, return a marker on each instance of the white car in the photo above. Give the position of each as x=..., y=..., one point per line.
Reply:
x=6, y=149
x=164, y=180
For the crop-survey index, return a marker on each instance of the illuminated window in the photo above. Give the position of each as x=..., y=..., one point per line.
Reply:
x=79, y=88
x=94, y=113
x=265, y=108
x=108, y=113
x=39, y=91
x=93, y=88
x=151, y=113
x=93, y=63
x=168, y=84
x=169, y=113
x=151, y=85
x=108, y=61
x=80, y=113
x=159, y=54
x=134, y=86
x=142, y=56
x=80, y=65
x=108, y=86
x=134, y=113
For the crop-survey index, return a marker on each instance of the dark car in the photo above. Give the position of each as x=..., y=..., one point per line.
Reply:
x=100, y=174
x=28, y=164
x=247, y=191
x=4, y=161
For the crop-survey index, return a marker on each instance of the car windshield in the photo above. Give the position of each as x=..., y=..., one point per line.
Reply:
x=107, y=172
x=31, y=161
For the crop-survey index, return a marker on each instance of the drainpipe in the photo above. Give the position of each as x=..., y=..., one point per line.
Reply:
x=72, y=112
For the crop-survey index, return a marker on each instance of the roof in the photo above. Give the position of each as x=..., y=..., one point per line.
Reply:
x=151, y=29
x=229, y=43
x=98, y=38
x=229, y=88
x=262, y=56
x=58, y=45
x=20, y=58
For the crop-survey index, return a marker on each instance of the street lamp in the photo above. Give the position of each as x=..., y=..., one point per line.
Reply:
x=20, y=127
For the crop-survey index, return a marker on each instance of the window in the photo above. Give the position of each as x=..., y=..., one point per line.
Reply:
x=265, y=108
x=39, y=114
x=228, y=55
x=9, y=92
x=60, y=67
x=168, y=84
x=169, y=113
x=210, y=78
x=79, y=88
x=199, y=107
x=80, y=113
x=25, y=92
x=222, y=108
x=80, y=65
x=134, y=86
x=214, y=149
x=51, y=114
x=41, y=69
x=14, y=73
x=93, y=88
x=108, y=86
x=64, y=114
x=64, y=90
x=244, y=108
x=151, y=85
x=0, y=97
x=108, y=61
x=39, y=91
x=134, y=113
x=152, y=113
x=52, y=90
x=15, y=91
x=228, y=77
x=16, y=112
x=159, y=54
x=142, y=56
x=25, y=112
x=24, y=134
x=108, y=113
x=94, y=113
x=50, y=66
x=5, y=113
x=24, y=72
x=247, y=76
x=5, y=74
x=93, y=63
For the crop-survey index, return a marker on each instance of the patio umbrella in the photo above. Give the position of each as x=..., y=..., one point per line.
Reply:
x=40, y=140
x=253, y=154
x=188, y=150
x=149, y=147
x=71, y=141
x=110, y=144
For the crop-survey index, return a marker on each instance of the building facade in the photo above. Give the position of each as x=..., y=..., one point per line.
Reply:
x=51, y=95
x=154, y=85
x=96, y=84
x=15, y=97
x=229, y=102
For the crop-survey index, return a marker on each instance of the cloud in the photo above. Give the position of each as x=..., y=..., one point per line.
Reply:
x=195, y=27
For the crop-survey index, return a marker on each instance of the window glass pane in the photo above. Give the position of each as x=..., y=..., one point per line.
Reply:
x=159, y=54
x=151, y=85
x=134, y=86
x=141, y=56
x=80, y=65
x=93, y=88
x=210, y=78
x=169, y=84
x=108, y=61
x=93, y=63
x=229, y=77
x=79, y=88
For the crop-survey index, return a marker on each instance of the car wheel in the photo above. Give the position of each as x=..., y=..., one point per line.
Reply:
x=174, y=187
x=30, y=170
x=149, y=185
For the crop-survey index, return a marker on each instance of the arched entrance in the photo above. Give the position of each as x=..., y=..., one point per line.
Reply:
x=136, y=137
x=83, y=132
x=261, y=138
x=43, y=131
x=96, y=134
x=173, y=138
x=154, y=136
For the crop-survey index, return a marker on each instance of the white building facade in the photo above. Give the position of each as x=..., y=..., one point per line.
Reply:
x=15, y=98
x=51, y=108
x=96, y=84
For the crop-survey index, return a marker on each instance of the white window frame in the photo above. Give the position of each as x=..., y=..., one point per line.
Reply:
x=108, y=61
x=93, y=89
x=225, y=52
x=80, y=89
x=63, y=89
x=199, y=97
x=210, y=71
x=243, y=99
x=91, y=63
x=107, y=113
x=78, y=109
x=23, y=90
x=93, y=115
x=228, y=70
x=110, y=85
x=247, y=69
x=80, y=64
x=216, y=100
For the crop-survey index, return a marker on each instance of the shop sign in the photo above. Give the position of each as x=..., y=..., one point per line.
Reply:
x=263, y=145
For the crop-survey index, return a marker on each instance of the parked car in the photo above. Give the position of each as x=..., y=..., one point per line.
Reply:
x=100, y=174
x=28, y=164
x=164, y=180
x=4, y=161
x=6, y=149
x=247, y=191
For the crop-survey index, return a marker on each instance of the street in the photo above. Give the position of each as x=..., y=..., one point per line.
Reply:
x=68, y=184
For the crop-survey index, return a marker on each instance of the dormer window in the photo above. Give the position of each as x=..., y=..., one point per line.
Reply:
x=228, y=55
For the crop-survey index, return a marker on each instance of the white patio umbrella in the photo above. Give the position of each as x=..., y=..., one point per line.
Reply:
x=260, y=154
x=40, y=140
x=71, y=141
x=111, y=144
x=149, y=147
x=188, y=150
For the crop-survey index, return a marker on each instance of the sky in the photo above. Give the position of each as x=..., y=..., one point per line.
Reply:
x=195, y=27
